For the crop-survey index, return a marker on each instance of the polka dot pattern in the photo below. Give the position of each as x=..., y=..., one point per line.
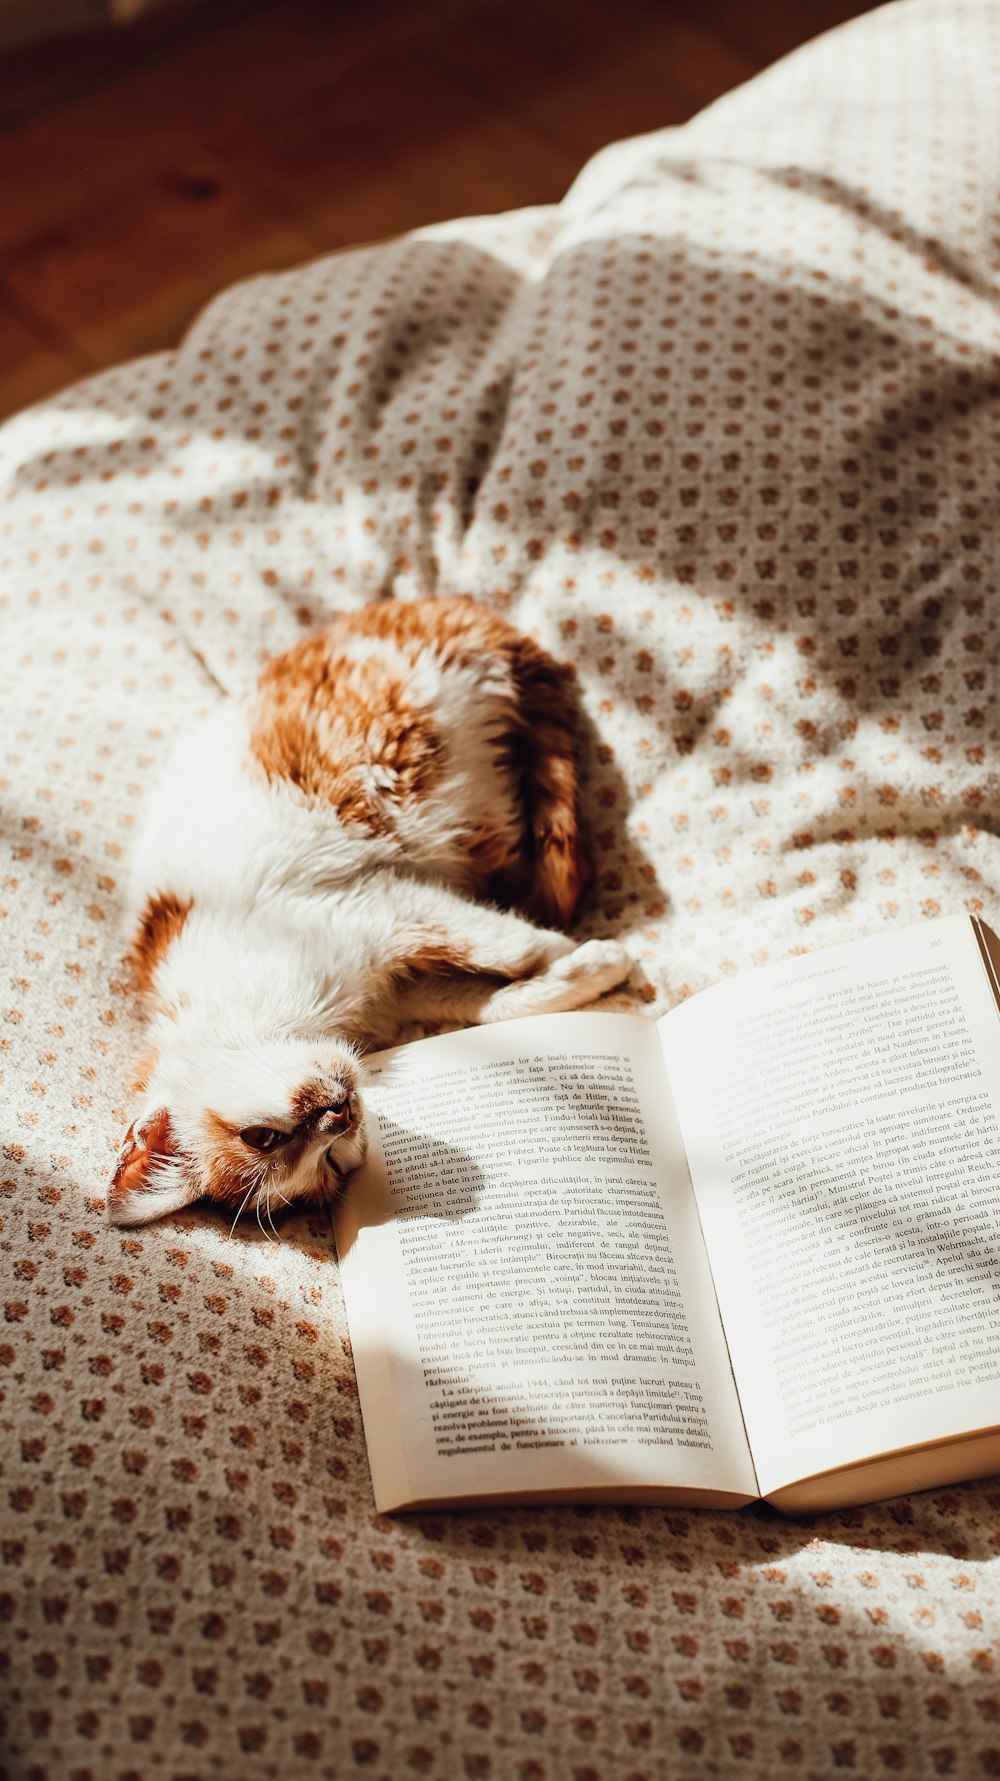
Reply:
x=722, y=430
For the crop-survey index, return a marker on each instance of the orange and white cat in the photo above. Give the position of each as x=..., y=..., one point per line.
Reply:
x=331, y=861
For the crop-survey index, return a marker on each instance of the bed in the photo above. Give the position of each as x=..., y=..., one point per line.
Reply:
x=722, y=430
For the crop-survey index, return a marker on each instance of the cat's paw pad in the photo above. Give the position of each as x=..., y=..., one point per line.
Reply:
x=596, y=966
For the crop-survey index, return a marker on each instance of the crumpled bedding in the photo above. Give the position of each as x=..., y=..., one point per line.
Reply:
x=722, y=430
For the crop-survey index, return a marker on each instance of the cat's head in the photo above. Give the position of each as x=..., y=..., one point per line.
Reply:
x=254, y=1128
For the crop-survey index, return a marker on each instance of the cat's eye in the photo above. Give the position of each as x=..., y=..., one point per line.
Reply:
x=263, y=1137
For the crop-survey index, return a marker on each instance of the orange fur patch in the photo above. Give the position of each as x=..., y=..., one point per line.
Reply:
x=341, y=724
x=229, y=1167
x=458, y=630
x=311, y=1098
x=160, y=923
x=561, y=869
x=497, y=872
x=428, y=950
x=344, y=730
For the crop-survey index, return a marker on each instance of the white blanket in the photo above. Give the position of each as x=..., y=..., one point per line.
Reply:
x=721, y=429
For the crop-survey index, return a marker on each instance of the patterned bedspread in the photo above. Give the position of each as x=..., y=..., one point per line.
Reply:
x=723, y=430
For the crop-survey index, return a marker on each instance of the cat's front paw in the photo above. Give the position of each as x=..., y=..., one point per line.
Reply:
x=594, y=967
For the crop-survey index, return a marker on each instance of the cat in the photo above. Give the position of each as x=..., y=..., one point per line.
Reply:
x=329, y=862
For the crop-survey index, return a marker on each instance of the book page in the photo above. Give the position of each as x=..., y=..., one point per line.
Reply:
x=529, y=1300
x=840, y=1114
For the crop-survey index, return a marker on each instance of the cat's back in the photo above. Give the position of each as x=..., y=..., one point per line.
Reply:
x=402, y=719
x=389, y=692
x=404, y=735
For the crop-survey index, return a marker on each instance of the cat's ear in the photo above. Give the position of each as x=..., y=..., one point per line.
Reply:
x=150, y=1177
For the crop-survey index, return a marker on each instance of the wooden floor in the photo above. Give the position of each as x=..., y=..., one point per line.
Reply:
x=144, y=169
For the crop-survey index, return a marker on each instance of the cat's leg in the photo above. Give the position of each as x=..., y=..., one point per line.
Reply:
x=461, y=946
x=578, y=977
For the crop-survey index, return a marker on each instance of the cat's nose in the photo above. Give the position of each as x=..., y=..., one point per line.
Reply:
x=334, y=1117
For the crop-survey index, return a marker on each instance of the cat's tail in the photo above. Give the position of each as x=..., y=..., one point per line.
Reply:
x=560, y=868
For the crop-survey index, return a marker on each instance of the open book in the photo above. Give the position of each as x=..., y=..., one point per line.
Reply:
x=750, y=1250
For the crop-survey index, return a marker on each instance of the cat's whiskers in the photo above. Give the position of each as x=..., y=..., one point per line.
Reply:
x=267, y=1207
x=260, y=1221
x=239, y=1210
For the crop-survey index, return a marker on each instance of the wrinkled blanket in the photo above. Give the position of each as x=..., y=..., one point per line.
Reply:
x=723, y=430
